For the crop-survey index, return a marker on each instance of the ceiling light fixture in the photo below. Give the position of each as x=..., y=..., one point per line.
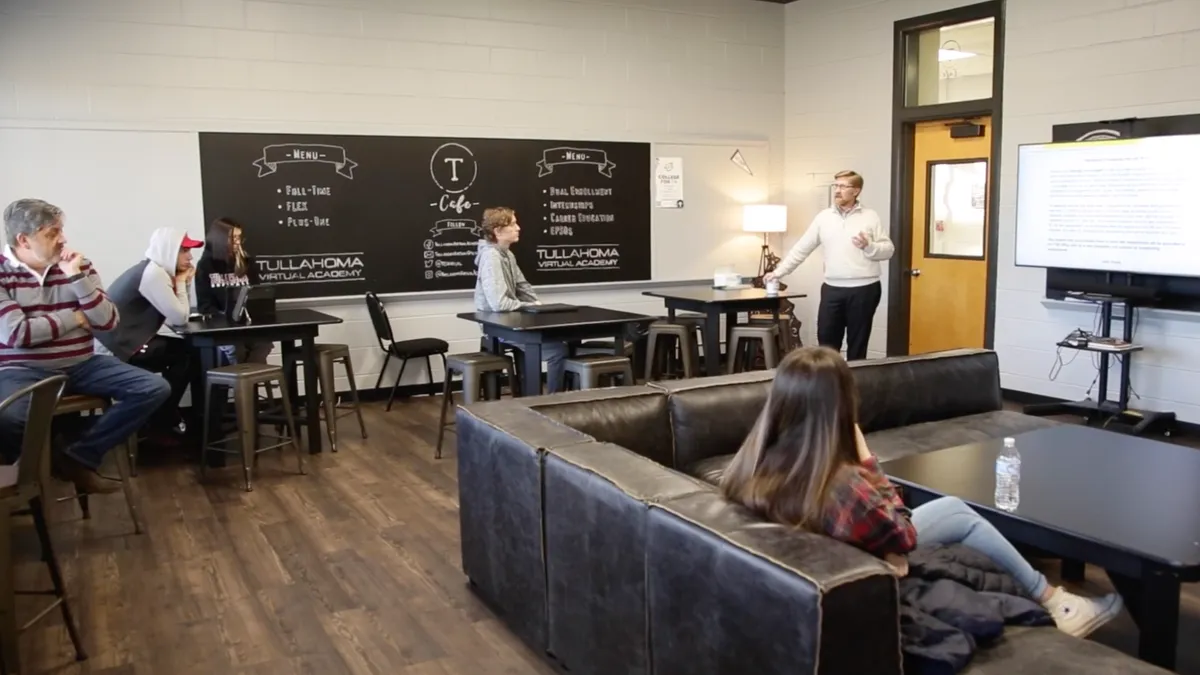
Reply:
x=953, y=55
x=952, y=51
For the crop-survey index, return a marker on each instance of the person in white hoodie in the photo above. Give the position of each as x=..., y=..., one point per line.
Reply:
x=148, y=295
x=854, y=242
x=501, y=287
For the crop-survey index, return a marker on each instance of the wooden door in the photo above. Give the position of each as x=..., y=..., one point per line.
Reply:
x=948, y=267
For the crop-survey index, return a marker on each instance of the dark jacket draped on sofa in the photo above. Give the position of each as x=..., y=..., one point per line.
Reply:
x=954, y=600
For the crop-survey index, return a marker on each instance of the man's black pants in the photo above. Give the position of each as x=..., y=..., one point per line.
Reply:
x=847, y=311
x=172, y=358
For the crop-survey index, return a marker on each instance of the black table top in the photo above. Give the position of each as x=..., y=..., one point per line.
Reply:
x=527, y=321
x=713, y=295
x=283, y=318
x=1135, y=494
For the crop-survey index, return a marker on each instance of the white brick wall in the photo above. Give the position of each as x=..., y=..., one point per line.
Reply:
x=645, y=70
x=1069, y=61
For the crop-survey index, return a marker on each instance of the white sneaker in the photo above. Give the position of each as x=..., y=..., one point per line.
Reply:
x=1079, y=616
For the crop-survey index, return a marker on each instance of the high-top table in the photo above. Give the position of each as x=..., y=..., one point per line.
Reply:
x=287, y=327
x=1124, y=503
x=712, y=303
x=532, y=330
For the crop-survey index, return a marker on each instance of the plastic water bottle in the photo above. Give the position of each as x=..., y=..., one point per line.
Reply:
x=1008, y=476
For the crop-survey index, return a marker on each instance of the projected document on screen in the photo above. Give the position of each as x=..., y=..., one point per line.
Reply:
x=1122, y=206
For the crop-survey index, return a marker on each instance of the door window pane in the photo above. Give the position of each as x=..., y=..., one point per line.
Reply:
x=957, y=209
x=953, y=63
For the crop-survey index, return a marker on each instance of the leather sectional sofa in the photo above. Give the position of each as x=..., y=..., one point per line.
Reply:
x=591, y=525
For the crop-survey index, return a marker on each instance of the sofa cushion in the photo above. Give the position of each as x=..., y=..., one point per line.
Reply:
x=916, y=438
x=1037, y=651
x=632, y=417
x=710, y=469
x=904, y=390
x=896, y=443
x=730, y=593
x=712, y=415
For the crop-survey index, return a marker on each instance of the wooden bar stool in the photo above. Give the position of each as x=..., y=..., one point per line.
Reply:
x=244, y=379
x=23, y=492
x=661, y=343
x=587, y=370
x=124, y=458
x=479, y=371
x=329, y=355
x=764, y=336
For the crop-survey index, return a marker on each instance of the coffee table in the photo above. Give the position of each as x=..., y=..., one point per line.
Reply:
x=1126, y=504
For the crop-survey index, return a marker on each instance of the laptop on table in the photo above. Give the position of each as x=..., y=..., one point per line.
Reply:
x=549, y=308
x=251, y=303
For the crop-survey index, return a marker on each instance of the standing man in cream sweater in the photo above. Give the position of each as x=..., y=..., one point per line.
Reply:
x=854, y=244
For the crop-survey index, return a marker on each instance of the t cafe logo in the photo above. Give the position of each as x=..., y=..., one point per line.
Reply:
x=453, y=169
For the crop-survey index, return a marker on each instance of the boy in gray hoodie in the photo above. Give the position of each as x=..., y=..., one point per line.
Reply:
x=152, y=293
x=501, y=287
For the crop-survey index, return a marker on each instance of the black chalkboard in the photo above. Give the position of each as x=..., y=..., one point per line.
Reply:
x=341, y=215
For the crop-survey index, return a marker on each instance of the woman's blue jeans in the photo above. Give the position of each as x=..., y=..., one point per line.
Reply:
x=949, y=521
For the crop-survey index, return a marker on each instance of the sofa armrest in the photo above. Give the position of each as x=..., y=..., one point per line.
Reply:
x=731, y=593
x=500, y=448
x=597, y=497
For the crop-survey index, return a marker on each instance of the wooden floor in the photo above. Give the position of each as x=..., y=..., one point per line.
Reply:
x=353, y=568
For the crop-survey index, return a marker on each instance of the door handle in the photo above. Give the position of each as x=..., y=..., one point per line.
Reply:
x=915, y=273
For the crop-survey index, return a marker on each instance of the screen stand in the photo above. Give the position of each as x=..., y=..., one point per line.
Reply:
x=1102, y=412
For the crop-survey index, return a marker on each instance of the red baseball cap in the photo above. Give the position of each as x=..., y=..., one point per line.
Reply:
x=188, y=242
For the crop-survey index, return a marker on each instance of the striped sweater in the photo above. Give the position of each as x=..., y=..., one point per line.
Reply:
x=37, y=316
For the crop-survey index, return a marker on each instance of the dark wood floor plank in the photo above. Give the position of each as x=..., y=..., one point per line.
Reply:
x=306, y=567
x=353, y=569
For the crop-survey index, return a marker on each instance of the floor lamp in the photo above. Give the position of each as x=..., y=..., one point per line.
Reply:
x=765, y=218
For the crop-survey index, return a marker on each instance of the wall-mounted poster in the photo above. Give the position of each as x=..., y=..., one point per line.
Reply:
x=668, y=183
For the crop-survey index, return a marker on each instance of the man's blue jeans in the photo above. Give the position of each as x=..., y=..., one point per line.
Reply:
x=135, y=393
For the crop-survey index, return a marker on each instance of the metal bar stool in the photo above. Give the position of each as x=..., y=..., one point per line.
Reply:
x=744, y=336
x=786, y=341
x=479, y=371
x=244, y=379
x=587, y=370
x=327, y=356
x=661, y=342
x=125, y=456
x=23, y=492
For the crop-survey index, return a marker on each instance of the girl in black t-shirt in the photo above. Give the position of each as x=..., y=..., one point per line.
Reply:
x=223, y=267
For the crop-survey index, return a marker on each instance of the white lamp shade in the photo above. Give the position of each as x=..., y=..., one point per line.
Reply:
x=764, y=218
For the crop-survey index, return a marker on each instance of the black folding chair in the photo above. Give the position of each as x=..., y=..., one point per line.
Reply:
x=404, y=349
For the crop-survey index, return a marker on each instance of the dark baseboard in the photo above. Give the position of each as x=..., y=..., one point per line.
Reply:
x=404, y=391
x=1181, y=428
x=1026, y=398
x=409, y=390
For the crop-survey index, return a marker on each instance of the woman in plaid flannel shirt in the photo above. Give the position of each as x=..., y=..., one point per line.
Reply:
x=806, y=463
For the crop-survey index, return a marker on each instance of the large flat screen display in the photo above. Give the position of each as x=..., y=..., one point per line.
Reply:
x=1125, y=205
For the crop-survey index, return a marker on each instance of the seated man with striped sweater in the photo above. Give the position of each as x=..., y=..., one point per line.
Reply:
x=51, y=303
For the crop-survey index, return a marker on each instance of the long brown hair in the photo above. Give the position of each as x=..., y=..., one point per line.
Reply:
x=219, y=242
x=804, y=437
